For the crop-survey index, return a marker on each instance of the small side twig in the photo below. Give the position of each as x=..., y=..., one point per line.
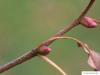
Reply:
x=52, y=64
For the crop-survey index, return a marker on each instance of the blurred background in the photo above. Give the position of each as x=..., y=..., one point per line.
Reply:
x=24, y=24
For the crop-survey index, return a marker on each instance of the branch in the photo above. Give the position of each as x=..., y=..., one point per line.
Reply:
x=19, y=60
x=52, y=64
x=86, y=9
x=35, y=51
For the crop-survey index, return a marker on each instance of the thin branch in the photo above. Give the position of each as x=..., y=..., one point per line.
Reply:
x=19, y=60
x=86, y=9
x=52, y=64
x=71, y=25
x=34, y=52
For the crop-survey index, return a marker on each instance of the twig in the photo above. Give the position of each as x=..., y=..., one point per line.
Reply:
x=35, y=51
x=52, y=64
x=19, y=60
x=86, y=9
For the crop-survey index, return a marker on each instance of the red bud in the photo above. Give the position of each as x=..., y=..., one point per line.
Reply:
x=88, y=22
x=44, y=50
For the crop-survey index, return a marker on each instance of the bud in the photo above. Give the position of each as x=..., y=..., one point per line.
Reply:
x=44, y=50
x=88, y=22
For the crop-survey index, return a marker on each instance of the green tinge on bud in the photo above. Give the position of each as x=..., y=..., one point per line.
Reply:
x=44, y=50
x=88, y=22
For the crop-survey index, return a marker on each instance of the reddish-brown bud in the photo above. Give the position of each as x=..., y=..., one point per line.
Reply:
x=88, y=22
x=44, y=50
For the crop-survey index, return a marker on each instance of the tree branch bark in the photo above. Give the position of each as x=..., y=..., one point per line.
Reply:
x=35, y=51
